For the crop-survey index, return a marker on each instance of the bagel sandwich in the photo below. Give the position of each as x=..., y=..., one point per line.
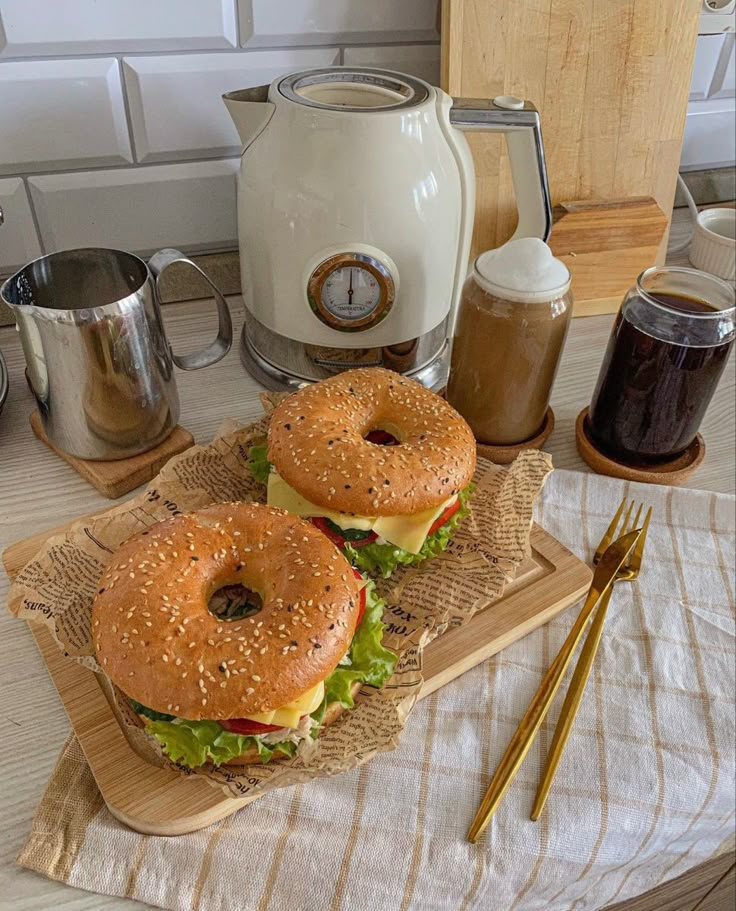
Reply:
x=236, y=632
x=376, y=461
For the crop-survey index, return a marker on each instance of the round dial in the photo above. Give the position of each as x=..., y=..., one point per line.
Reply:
x=351, y=291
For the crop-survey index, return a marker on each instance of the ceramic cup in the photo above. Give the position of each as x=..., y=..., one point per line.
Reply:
x=713, y=247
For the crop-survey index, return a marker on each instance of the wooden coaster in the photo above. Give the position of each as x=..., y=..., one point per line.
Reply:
x=504, y=455
x=113, y=479
x=672, y=473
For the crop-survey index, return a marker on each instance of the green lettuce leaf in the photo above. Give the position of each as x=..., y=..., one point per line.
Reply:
x=382, y=559
x=370, y=662
x=193, y=743
x=287, y=747
x=338, y=684
x=258, y=463
x=319, y=713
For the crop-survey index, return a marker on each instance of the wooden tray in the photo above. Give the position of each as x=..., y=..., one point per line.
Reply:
x=160, y=802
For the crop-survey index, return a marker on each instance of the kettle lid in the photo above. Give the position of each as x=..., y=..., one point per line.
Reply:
x=363, y=89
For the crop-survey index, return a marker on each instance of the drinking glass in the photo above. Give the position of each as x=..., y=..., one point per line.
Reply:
x=667, y=350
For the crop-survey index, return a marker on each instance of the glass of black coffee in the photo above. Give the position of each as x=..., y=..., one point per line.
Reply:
x=668, y=347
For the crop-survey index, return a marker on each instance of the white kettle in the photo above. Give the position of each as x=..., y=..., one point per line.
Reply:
x=355, y=214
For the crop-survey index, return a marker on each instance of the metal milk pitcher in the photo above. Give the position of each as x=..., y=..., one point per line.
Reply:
x=98, y=360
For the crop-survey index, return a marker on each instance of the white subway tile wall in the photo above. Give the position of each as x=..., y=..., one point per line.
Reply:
x=20, y=244
x=60, y=114
x=113, y=129
x=299, y=22
x=189, y=206
x=53, y=28
x=422, y=60
x=176, y=108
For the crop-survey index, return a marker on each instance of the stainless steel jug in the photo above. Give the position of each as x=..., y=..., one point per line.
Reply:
x=98, y=360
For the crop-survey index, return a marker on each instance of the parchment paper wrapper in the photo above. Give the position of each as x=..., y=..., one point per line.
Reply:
x=58, y=585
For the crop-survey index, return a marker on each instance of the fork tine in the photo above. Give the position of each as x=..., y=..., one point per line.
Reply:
x=635, y=523
x=627, y=527
x=638, y=553
x=610, y=532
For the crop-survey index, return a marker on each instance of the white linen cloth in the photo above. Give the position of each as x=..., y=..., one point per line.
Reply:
x=644, y=792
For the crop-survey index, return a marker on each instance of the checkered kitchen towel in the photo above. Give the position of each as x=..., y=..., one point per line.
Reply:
x=644, y=792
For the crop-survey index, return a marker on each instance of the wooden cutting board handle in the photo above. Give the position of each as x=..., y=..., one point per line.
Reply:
x=605, y=244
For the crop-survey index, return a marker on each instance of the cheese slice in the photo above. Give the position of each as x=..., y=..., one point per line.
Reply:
x=288, y=716
x=410, y=532
x=284, y=496
x=407, y=532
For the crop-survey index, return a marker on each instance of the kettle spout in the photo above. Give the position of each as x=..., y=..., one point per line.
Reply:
x=251, y=110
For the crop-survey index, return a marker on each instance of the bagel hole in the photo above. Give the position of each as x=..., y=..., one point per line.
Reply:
x=382, y=436
x=234, y=602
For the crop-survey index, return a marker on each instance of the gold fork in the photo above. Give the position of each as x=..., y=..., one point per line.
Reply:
x=631, y=570
x=614, y=559
x=628, y=572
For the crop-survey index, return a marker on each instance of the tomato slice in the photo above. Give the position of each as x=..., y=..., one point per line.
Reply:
x=441, y=519
x=329, y=528
x=362, y=597
x=382, y=438
x=361, y=542
x=321, y=523
x=246, y=726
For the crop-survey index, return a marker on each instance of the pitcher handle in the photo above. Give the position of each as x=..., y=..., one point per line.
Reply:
x=213, y=353
x=519, y=120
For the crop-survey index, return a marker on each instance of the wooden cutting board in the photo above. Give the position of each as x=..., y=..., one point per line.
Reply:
x=611, y=81
x=160, y=802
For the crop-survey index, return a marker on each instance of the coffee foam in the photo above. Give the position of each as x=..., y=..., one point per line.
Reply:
x=522, y=270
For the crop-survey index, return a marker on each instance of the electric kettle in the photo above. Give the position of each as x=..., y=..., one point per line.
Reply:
x=356, y=198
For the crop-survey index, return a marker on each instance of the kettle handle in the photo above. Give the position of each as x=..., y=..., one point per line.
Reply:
x=519, y=120
x=213, y=353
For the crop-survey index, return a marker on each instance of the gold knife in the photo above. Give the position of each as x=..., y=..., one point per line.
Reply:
x=605, y=575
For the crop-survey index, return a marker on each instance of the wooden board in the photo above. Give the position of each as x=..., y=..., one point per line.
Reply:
x=605, y=245
x=611, y=82
x=160, y=802
x=120, y=476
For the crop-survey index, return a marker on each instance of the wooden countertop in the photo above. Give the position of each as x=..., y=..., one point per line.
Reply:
x=38, y=490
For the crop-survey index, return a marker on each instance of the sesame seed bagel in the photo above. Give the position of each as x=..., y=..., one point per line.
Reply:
x=157, y=640
x=316, y=441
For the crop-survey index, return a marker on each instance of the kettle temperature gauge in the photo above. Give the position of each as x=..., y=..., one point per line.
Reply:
x=351, y=291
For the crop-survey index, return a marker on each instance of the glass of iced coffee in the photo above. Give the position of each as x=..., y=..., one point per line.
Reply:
x=511, y=327
x=667, y=351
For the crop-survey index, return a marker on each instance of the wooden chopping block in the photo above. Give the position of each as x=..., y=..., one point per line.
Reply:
x=605, y=245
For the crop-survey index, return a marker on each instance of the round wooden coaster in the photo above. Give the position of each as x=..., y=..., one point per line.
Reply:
x=674, y=472
x=504, y=455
